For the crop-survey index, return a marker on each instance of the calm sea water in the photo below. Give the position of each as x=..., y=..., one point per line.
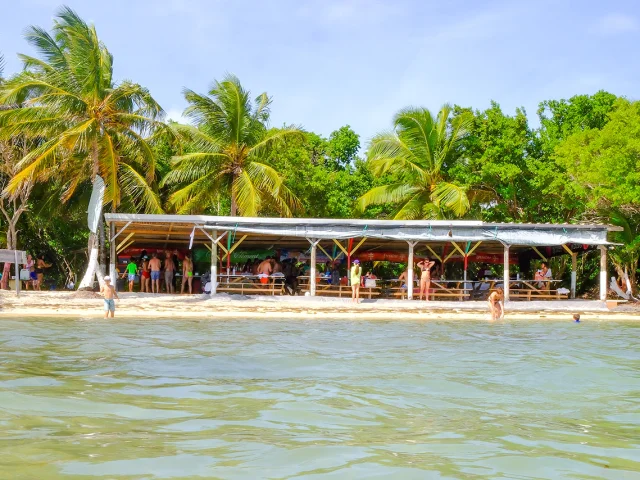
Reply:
x=252, y=399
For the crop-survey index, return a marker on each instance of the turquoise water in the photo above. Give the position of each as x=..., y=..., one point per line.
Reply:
x=178, y=399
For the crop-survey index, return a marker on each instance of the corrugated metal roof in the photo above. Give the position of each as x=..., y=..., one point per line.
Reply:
x=389, y=230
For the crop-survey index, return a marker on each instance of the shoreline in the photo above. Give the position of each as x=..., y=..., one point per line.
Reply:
x=145, y=306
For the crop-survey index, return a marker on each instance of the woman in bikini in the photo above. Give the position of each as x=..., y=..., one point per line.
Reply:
x=145, y=276
x=496, y=306
x=187, y=274
x=425, y=277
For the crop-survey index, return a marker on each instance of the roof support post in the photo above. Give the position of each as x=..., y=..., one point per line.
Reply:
x=17, y=272
x=409, y=279
x=312, y=274
x=113, y=259
x=506, y=276
x=214, y=263
x=603, y=272
x=574, y=270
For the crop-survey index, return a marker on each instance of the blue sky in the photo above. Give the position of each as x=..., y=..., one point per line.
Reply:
x=328, y=63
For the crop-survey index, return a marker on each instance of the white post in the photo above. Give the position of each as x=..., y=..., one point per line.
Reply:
x=113, y=259
x=574, y=269
x=214, y=263
x=17, y=270
x=506, y=273
x=603, y=273
x=409, y=279
x=312, y=279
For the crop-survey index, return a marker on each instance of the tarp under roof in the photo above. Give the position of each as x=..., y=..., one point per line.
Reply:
x=390, y=230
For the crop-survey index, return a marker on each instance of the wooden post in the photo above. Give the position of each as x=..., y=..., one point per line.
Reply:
x=603, y=273
x=409, y=279
x=312, y=279
x=17, y=270
x=113, y=259
x=574, y=270
x=214, y=263
x=506, y=273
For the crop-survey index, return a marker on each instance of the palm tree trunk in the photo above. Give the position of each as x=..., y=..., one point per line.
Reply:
x=234, y=205
x=96, y=240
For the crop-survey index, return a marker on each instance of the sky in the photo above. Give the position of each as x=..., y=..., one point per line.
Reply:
x=328, y=63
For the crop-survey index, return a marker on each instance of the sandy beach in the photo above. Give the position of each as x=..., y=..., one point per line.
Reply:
x=145, y=306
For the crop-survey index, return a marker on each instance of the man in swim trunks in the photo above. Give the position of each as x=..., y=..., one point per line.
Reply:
x=169, y=272
x=155, y=265
x=130, y=272
x=109, y=294
x=425, y=277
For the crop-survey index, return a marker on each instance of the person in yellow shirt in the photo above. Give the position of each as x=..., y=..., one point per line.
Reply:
x=356, y=275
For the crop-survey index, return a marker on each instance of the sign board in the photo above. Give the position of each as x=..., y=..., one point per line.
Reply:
x=9, y=256
x=95, y=204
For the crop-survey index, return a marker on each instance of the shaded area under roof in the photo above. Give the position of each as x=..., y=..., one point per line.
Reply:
x=171, y=230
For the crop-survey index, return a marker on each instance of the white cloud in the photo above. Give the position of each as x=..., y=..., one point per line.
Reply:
x=614, y=23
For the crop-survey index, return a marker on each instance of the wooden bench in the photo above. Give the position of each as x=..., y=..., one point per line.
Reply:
x=459, y=293
x=345, y=290
x=528, y=294
x=251, y=288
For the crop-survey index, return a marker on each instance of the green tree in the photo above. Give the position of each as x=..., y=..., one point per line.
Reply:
x=90, y=124
x=561, y=118
x=229, y=143
x=603, y=165
x=418, y=154
x=342, y=147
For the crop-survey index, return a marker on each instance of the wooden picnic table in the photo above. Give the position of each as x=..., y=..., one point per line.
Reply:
x=527, y=289
x=250, y=284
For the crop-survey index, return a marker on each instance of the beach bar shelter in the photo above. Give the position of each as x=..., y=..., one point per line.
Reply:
x=461, y=237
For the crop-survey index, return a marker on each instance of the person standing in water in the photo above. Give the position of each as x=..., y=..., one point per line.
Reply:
x=425, y=277
x=110, y=295
x=496, y=304
x=356, y=275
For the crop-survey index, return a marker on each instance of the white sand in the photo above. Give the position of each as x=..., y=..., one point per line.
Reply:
x=148, y=306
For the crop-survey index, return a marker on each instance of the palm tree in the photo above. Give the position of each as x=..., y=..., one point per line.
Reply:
x=417, y=154
x=91, y=126
x=228, y=140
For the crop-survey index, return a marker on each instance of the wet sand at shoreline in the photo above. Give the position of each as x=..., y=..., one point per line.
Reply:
x=87, y=304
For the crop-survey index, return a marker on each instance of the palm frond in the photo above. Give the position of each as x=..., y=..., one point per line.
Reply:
x=247, y=195
x=394, y=193
x=137, y=188
x=274, y=137
x=452, y=197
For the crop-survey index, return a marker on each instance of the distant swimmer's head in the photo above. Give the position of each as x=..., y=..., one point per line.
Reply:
x=576, y=317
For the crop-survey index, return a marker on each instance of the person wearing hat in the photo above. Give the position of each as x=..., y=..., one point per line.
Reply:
x=109, y=293
x=356, y=274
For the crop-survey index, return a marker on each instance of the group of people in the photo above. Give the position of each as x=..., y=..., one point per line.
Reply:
x=152, y=271
x=36, y=270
